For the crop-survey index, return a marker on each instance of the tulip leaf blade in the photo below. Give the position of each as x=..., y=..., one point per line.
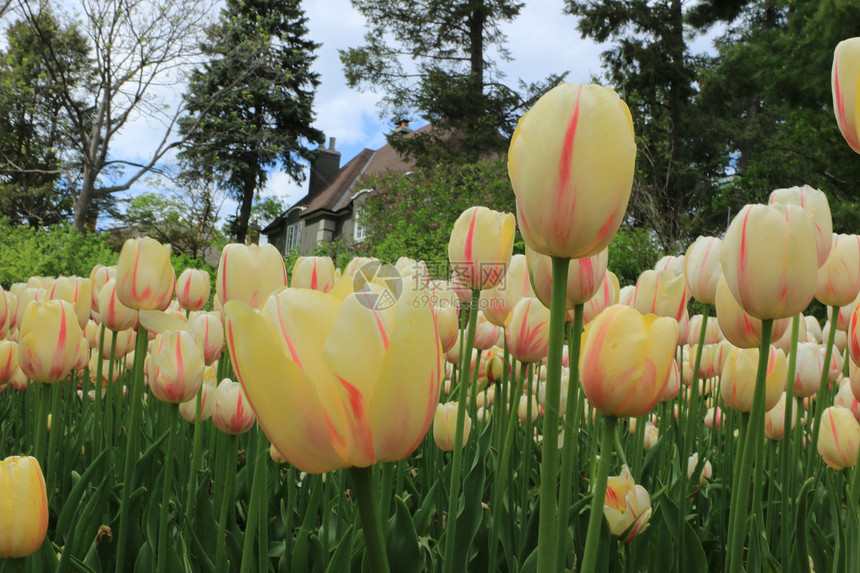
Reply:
x=70, y=507
x=340, y=558
x=402, y=540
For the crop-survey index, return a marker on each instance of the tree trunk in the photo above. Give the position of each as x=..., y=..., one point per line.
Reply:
x=477, y=21
x=250, y=187
x=84, y=201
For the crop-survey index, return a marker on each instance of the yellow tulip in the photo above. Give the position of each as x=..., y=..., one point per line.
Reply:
x=338, y=382
x=571, y=163
x=498, y=302
x=774, y=419
x=486, y=333
x=769, y=260
x=77, y=292
x=626, y=360
x=672, y=264
x=144, y=275
x=250, y=273
x=98, y=277
x=584, y=276
x=702, y=268
x=175, y=366
x=663, y=293
x=8, y=360
x=838, y=279
x=192, y=289
x=23, y=507
x=844, y=81
x=444, y=426
x=210, y=332
x=839, y=438
x=815, y=204
x=739, y=328
x=113, y=313
x=627, y=506
x=527, y=330
x=808, y=369
x=207, y=405
x=713, y=335
x=480, y=248
x=739, y=373
x=607, y=295
x=317, y=273
x=49, y=340
x=233, y=415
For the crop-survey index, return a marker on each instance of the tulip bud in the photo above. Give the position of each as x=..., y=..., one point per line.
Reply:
x=769, y=260
x=486, y=333
x=838, y=279
x=250, y=273
x=527, y=330
x=412, y=270
x=607, y=295
x=652, y=434
x=210, y=332
x=662, y=293
x=23, y=507
x=77, y=292
x=839, y=438
x=49, y=340
x=813, y=328
x=584, y=276
x=207, y=405
x=276, y=455
x=481, y=245
x=845, y=398
x=713, y=334
x=145, y=277
x=627, y=506
x=809, y=363
x=8, y=360
x=99, y=276
x=114, y=314
x=814, y=202
x=739, y=377
x=626, y=360
x=500, y=299
x=707, y=470
x=233, y=414
x=523, y=409
x=192, y=289
x=571, y=163
x=175, y=367
x=714, y=418
x=774, y=420
x=316, y=273
x=445, y=424
x=844, y=80
x=702, y=268
x=739, y=328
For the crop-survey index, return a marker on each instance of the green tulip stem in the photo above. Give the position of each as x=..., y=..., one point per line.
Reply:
x=548, y=520
x=787, y=451
x=385, y=489
x=822, y=398
x=754, y=434
x=457, y=461
x=52, y=472
x=196, y=453
x=131, y=450
x=854, y=491
x=41, y=429
x=571, y=440
x=98, y=427
x=112, y=397
x=595, y=519
x=255, y=501
x=12, y=565
x=371, y=523
x=226, y=458
x=163, y=519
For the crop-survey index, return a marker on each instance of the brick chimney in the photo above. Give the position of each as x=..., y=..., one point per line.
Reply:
x=324, y=168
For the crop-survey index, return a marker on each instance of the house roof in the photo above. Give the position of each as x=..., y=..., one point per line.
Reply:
x=338, y=194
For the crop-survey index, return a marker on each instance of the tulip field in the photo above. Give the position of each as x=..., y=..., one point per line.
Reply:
x=521, y=413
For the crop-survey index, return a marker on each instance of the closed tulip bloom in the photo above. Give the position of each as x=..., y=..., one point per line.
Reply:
x=523, y=408
x=25, y=297
x=707, y=469
x=626, y=360
x=192, y=289
x=145, y=278
x=840, y=338
x=714, y=418
x=739, y=328
x=809, y=363
x=671, y=263
x=8, y=360
x=663, y=293
x=481, y=245
x=486, y=333
x=4, y=312
x=106, y=371
x=338, y=382
x=49, y=340
x=499, y=301
x=627, y=506
x=175, y=367
x=652, y=434
x=813, y=327
x=845, y=398
x=839, y=438
x=606, y=295
x=444, y=426
x=77, y=292
x=584, y=276
x=844, y=79
x=413, y=270
x=23, y=507
x=207, y=405
x=626, y=294
x=317, y=273
x=702, y=268
x=124, y=343
x=739, y=373
x=233, y=415
x=769, y=260
x=527, y=330
x=98, y=277
x=113, y=313
x=250, y=273
x=838, y=279
x=784, y=341
x=713, y=334
x=673, y=384
x=815, y=203
x=774, y=420
x=571, y=163
x=11, y=313
x=210, y=332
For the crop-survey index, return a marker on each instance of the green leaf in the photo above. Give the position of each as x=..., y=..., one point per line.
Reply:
x=402, y=541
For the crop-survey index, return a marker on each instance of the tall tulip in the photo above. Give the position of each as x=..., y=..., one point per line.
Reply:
x=702, y=268
x=481, y=245
x=814, y=203
x=210, y=332
x=571, y=163
x=838, y=279
x=98, y=277
x=250, y=273
x=769, y=260
x=527, y=330
x=23, y=507
x=192, y=289
x=839, y=438
x=8, y=360
x=844, y=79
x=626, y=360
x=443, y=426
x=145, y=278
x=233, y=414
x=663, y=293
x=175, y=367
x=316, y=273
x=584, y=276
x=113, y=313
x=607, y=295
x=49, y=340
x=207, y=405
x=77, y=292
x=739, y=376
x=499, y=301
x=739, y=328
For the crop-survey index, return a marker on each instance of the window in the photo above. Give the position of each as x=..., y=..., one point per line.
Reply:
x=294, y=237
x=359, y=230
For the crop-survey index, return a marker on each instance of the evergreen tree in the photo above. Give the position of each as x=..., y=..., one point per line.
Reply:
x=251, y=102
